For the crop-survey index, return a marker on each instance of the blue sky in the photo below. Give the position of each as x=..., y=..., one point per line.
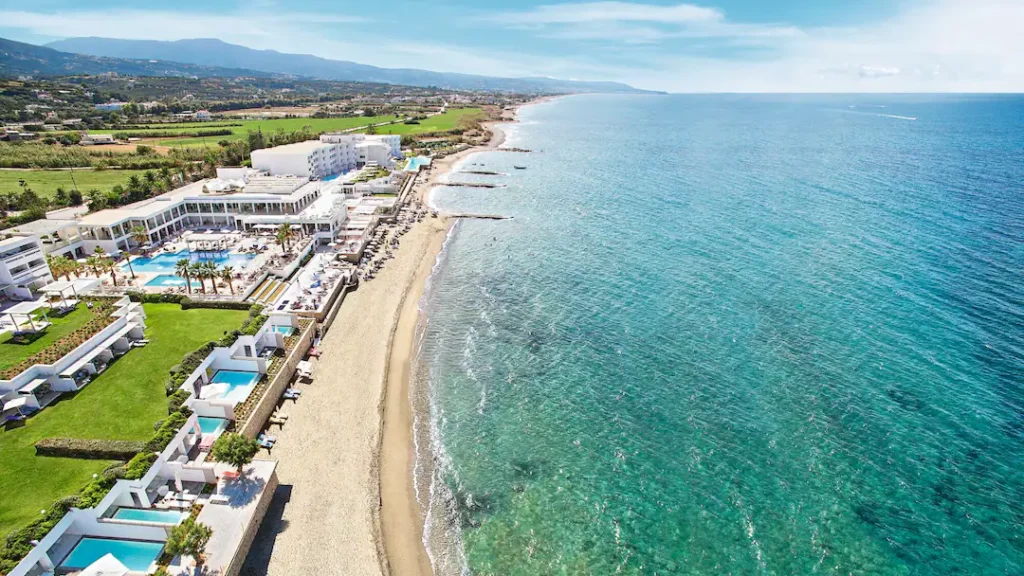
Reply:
x=719, y=45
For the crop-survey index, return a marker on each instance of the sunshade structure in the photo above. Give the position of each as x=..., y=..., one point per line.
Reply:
x=64, y=295
x=22, y=316
x=105, y=566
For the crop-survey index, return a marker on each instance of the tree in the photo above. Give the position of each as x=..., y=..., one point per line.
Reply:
x=235, y=449
x=225, y=274
x=284, y=234
x=210, y=270
x=58, y=267
x=75, y=198
x=198, y=272
x=183, y=269
x=189, y=539
x=93, y=264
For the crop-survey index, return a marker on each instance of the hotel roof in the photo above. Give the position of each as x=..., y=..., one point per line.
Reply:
x=40, y=227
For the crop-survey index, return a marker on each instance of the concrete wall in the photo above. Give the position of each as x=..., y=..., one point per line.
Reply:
x=268, y=403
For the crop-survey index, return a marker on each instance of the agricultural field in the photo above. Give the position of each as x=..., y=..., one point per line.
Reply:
x=45, y=182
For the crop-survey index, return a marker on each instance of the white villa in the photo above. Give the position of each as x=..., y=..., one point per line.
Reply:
x=127, y=531
x=22, y=266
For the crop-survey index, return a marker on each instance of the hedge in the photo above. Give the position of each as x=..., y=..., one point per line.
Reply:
x=88, y=449
x=186, y=302
x=139, y=465
x=176, y=400
x=168, y=430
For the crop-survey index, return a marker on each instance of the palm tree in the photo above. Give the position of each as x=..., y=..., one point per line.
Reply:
x=211, y=272
x=110, y=266
x=225, y=274
x=58, y=267
x=74, y=267
x=182, y=268
x=198, y=272
x=93, y=264
x=284, y=234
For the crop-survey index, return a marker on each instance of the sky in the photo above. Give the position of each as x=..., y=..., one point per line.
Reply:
x=713, y=46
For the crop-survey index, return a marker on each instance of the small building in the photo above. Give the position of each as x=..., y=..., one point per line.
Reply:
x=112, y=106
x=203, y=115
x=90, y=139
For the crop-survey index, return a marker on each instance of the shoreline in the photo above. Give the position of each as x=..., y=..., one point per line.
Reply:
x=399, y=517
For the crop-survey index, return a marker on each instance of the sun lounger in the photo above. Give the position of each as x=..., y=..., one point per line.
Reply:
x=294, y=391
x=276, y=420
x=268, y=438
x=219, y=499
x=265, y=444
x=281, y=416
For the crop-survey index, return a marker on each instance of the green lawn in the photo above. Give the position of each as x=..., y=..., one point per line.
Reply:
x=45, y=182
x=442, y=122
x=12, y=353
x=267, y=126
x=122, y=404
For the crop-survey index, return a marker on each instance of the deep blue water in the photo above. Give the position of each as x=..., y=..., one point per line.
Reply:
x=733, y=335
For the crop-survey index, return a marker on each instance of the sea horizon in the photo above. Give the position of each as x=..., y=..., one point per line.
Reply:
x=729, y=333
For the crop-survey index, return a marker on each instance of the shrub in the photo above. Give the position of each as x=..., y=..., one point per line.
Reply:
x=94, y=491
x=156, y=298
x=87, y=449
x=188, y=304
x=167, y=431
x=252, y=325
x=176, y=400
x=139, y=465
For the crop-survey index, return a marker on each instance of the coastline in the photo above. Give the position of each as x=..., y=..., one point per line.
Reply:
x=400, y=539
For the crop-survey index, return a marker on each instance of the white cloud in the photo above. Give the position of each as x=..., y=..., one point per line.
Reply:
x=932, y=45
x=609, y=12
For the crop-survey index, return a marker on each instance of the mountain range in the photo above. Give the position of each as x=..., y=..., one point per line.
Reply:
x=211, y=57
x=17, y=58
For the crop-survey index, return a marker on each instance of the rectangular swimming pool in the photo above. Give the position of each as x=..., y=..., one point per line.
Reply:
x=239, y=383
x=150, y=515
x=212, y=425
x=136, y=555
x=165, y=262
x=170, y=280
x=284, y=330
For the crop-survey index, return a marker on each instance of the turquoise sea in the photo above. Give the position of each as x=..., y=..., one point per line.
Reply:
x=732, y=335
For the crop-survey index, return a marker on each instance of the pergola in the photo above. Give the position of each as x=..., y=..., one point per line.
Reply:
x=67, y=292
x=208, y=242
x=23, y=311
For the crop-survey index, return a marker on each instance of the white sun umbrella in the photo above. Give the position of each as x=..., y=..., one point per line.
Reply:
x=107, y=565
x=211, y=391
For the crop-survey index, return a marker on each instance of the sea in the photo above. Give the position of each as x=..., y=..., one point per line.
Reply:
x=731, y=334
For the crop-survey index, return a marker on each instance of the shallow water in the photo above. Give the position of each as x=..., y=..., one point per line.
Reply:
x=733, y=335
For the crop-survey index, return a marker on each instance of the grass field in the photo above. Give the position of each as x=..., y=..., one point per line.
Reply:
x=11, y=353
x=267, y=126
x=45, y=182
x=447, y=121
x=122, y=404
x=441, y=123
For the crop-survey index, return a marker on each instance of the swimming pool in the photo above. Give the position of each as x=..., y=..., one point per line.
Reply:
x=212, y=425
x=284, y=330
x=239, y=384
x=165, y=262
x=170, y=280
x=136, y=555
x=416, y=162
x=150, y=515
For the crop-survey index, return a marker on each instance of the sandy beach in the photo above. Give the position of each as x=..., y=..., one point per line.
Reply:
x=346, y=503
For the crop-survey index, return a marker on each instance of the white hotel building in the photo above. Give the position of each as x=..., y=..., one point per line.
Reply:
x=331, y=154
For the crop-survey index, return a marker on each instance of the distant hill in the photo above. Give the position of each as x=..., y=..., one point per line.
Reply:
x=18, y=58
x=212, y=52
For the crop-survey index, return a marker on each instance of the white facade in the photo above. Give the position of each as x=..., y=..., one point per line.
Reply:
x=23, y=264
x=313, y=159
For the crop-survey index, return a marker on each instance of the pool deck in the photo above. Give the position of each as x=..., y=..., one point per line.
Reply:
x=235, y=523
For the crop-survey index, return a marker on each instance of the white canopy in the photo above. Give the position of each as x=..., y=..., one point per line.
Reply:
x=108, y=565
x=16, y=403
x=211, y=391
